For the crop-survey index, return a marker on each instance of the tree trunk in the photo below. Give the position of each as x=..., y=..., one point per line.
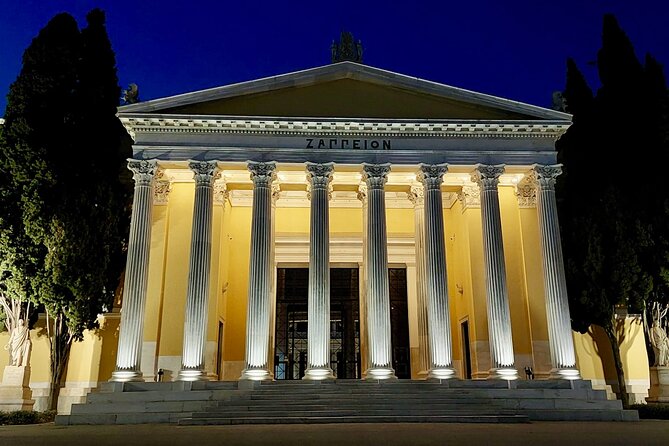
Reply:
x=615, y=348
x=60, y=343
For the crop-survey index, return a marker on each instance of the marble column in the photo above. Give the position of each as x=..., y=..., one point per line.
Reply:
x=197, y=296
x=560, y=337
x=318, y=329
x=378, y=294
x=497, y=294
x=260, y=273
x=129, y=349
x=438, y=313
x=417, y=198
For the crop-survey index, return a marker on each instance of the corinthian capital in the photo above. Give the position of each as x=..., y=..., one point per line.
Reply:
x=375, y=175
x=362, y=193
x=221, y=192
x=205, y=172
x=319, y=175
x=545, y=176
x=416, y=195
x=470, y=197
x=262, y=174
x=487, y=176
x=432, y=175
x=143, y=171
x=162, y=188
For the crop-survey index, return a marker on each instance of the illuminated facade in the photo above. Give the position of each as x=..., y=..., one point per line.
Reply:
x=344, y=221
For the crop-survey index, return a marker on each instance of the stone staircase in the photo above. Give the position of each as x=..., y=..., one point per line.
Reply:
x=346, y=401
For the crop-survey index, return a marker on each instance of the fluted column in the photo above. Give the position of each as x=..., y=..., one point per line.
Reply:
x=560, y=338
x=417, y=198
x=378, y=295
x=129, y=349
x=260, y=276
x=438, y=313
x=497, y=295
x=318, y=328
x=197, y=296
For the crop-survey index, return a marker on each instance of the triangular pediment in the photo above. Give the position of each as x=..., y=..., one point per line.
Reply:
x=345, y=90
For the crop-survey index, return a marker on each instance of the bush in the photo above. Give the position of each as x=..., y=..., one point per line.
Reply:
x=657, y=411
x=26, y=417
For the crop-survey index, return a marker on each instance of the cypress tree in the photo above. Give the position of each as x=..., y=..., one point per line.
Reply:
x=62, y=151
x=610, y=228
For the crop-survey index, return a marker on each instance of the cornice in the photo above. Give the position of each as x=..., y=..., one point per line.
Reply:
x=189, y=124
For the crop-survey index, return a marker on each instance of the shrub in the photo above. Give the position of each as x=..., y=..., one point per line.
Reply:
x=26, y=417
x=657, y=411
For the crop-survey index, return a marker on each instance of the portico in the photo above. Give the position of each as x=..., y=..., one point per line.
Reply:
x=450, y=185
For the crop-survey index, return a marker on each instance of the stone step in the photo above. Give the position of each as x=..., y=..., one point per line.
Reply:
x=194, y=395
x=538, y=403
x=449, y=393
x=141, y=407
x=339, y=402
x=357, y=419
x=582, y=415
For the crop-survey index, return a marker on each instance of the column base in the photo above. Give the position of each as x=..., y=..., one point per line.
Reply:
x=192, y=375
x=124, y=376
x=506, y=373
x=567, y=373
x=256, y=375
x=377, y=373
x=318, y=373
x=441, y=373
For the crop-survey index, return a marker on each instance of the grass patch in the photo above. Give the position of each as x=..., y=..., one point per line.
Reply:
x=26, y=417
x=652, y=411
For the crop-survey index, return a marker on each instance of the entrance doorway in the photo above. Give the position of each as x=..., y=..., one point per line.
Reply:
x=399, y=322
x=467, y=366
x=290, y=348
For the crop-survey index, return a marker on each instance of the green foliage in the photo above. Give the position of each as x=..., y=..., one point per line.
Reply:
x=613, y=208
x=66, y=213
x=652, y=411
x=26, y=417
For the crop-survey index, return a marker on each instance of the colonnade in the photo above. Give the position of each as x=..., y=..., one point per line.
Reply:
x=431, y=273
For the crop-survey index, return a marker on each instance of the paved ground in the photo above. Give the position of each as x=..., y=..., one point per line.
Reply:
x=645, y=433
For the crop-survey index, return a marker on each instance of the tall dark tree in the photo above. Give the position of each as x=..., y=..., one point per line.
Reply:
x=62, y=153
x=609, y=228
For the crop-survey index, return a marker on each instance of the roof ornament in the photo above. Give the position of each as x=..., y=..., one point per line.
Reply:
x=346, y=49
x=131, y=94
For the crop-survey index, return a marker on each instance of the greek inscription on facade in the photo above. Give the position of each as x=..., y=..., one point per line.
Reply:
x=342, y=143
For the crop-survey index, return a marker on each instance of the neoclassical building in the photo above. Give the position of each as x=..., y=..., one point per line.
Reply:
x=344, y=222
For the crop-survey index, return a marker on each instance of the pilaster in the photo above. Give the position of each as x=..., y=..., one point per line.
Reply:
x=417, y=197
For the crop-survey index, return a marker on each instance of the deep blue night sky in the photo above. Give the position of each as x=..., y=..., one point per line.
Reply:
x=513, y=49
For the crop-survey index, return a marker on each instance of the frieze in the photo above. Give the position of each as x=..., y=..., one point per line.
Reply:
x=356, y=144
